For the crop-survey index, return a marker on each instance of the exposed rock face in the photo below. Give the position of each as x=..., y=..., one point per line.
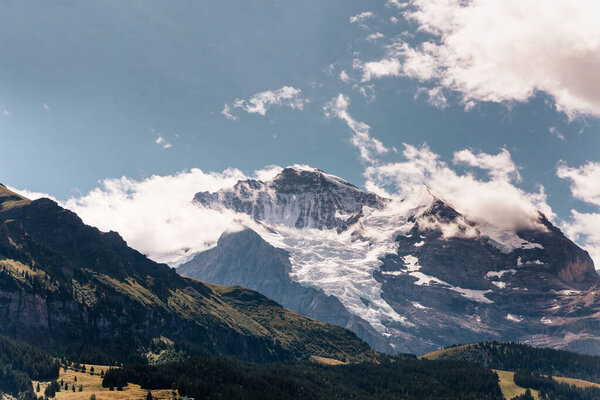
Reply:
x=413, y=275
x=296, y=197
x=72, y=289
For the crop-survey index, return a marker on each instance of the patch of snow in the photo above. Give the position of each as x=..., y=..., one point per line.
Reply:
x=513, y=318
x=419, y=305
x=501, y=285
x=500, y=274
x=546, y=321
x=419, y=244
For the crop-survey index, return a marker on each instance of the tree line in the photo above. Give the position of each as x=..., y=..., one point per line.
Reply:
x=394, y=377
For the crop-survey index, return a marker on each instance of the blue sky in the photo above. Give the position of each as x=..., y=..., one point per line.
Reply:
x=100, y=90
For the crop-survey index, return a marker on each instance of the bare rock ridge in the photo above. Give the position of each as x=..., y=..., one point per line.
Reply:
x=409, y=275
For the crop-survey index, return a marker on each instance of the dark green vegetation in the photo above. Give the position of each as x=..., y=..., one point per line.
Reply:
x=515, y=356
x=553, y=390
x=19, y=364
x=77, y=292
x=391, y=378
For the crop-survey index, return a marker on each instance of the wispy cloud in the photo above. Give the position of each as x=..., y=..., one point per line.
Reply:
x=362, y=17
x=161, y=141
x=362, y=140
x=260, y=103
x=227, y=113
x=375, y=36
x=46, y=106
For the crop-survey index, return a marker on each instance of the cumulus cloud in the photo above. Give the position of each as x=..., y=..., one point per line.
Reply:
x=584, y=227
x=360, y=18
x=585, y=181
x=495, y=202
x=362, y=140
x=499, y=166
x=156, y=215
x=502, y=51
x=260, y=103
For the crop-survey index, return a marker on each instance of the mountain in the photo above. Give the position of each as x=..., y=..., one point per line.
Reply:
x=408, y=275
x=73, y=290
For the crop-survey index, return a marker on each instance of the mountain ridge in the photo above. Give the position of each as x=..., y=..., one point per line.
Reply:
x=419, y=272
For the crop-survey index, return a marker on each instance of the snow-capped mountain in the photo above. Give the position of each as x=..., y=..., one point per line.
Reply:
x=405, y=275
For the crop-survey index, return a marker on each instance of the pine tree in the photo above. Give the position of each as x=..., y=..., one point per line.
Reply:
x=149, y=396
x=37, y=389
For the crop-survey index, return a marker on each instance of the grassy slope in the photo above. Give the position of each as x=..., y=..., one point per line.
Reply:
x=509, y=388
x=92, y=384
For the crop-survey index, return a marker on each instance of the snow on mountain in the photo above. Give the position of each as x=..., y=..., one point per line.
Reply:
x=371, y=252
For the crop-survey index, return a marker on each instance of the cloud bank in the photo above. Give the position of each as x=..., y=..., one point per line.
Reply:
x=495, y=202
x=501, y=51
x=156, y=215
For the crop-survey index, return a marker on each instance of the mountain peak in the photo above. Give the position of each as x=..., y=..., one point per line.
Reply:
x=298, y=196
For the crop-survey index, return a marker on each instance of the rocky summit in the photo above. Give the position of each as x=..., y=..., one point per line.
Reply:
x=407, y=275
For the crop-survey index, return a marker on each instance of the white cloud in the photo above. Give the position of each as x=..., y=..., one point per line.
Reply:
x=584, y=227
x=360, y=18
x=375, y=36
x=161, y=141
x=395, y=3
x=227, y=113
x=554, y=131
x=344, y=76
x=46, y=107
x=379, y=69
x=394, y=20
x=503, y=51
x=156, y=215
x=499, y=166
x=585, y=181
x=261, y=102
x=495, y=202
x=435, y=96
x=31, y=195
x=362, y=140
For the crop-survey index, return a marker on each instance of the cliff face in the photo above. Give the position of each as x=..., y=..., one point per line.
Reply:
x=66, y=287
x=406, y=276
